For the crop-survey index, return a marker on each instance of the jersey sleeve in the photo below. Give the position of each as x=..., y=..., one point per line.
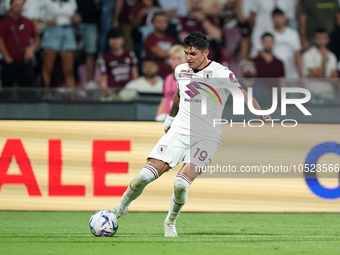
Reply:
x=227, y=77
x=34, y=33
x=42, y=11
x=307, y=63
x=177, y=71
x=149, y=43
x=74, y=5
x=254, y=6
x=297, y=41
x=332, y=63
x=282, y=70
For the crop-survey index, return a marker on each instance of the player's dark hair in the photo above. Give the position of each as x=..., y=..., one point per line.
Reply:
x=155, y=3
x=11, y=2
x=277, y=11
x=197, y=40
x=161, y=13
x=320, y=30
x=115, y=33
x=149, y=59
x=267, y=34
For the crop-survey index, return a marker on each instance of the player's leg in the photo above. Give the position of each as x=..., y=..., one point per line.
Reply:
x=200, y=154
x=150, y=172
x=168, y=152
x=182, y=183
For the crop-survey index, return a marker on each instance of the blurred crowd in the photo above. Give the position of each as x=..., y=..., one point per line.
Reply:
x=126, y=47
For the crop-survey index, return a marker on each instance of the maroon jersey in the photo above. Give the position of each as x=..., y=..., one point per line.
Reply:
x=275, y=69
x=128, y=10
x=25, y=31
x=118, y=68
x=133, y=12
x=190, y=25
x=164, y=43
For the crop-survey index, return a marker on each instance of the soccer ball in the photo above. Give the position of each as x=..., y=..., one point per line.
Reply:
x=103, y=223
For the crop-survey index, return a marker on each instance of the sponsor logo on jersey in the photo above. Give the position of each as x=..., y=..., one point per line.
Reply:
x=162, y=148
x=185, y=76
x=192, y=100
x=195, y=86
x=185, y=71
x=114, y=63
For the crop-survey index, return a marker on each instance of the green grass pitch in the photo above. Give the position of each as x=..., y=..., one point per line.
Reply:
x=199, y=233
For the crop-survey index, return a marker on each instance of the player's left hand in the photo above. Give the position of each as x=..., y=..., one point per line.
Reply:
x=266, y=118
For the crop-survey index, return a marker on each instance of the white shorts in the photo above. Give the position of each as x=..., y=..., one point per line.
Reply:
x=173, y=148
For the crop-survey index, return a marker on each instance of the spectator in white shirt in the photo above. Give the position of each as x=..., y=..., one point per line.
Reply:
x=261, y=19
x=292, y=8
x=243, y=16
x=287, y=45
x=174, y=9
x=58, y=16
x=150, y=82
x=319, y=64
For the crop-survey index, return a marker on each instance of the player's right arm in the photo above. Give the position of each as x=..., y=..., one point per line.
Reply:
x=173, y=112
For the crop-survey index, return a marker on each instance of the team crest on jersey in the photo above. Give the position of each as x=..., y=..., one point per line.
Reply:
x=162, y=148
x=207, y=74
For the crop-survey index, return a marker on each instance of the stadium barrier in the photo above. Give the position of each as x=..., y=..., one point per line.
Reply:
x=58, y=165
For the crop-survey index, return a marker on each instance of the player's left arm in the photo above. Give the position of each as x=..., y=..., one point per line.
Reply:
x=256, y=105
x=229, y=78
x=173, y=112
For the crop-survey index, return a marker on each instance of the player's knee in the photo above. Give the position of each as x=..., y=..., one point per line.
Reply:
x=181, y=185
x=139, y=181
x=142, y=179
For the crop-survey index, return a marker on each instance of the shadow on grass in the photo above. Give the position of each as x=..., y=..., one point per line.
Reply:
x=220, y=233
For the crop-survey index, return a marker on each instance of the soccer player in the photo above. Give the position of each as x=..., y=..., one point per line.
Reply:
x=187, y=130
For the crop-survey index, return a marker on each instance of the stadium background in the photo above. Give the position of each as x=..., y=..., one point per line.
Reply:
x=31, y=134
x=63, y=153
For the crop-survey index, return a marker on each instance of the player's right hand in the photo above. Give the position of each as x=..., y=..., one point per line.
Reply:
x=167, y=123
